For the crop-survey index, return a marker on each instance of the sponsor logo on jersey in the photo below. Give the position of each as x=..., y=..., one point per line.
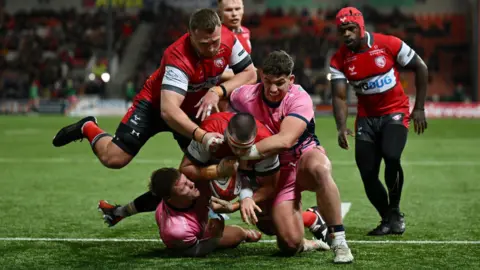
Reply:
x=379, y=83
x=380, y=61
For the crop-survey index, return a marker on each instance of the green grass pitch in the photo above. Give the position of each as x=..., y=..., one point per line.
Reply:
x=48, y=192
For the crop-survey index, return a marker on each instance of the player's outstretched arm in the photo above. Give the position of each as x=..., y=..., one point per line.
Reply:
x=340, y=110
x=291, y=129
x=421, y=82
x=175, y=117
x=196, y=172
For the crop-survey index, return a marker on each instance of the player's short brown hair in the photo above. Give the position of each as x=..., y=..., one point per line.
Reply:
x=278, y=63
x=205, y=20
x=242, y=126
x=162, y=181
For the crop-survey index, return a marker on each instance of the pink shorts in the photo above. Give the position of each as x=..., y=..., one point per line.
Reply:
x=287, y=187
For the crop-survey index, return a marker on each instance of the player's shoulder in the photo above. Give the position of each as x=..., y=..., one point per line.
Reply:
x=179, y=54
x=380, y=39
x=297, y=92
x=217, y=122
x=247, y=91
x=337, y=58
x=228, y=37
x=245, y=30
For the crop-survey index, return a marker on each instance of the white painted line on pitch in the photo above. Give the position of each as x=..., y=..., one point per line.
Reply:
x=397, y=242
x=345, y=208
x=176, y=161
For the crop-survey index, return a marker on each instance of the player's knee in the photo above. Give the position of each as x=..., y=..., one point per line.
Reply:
x=289, y=246
x=322, y=173
x=115, y=162
x=391, y=158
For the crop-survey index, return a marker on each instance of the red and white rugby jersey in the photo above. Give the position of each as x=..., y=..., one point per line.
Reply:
x=373, y=73
x=183, y=71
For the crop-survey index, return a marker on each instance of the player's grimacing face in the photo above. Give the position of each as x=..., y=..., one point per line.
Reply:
x=276, y=87
x=350, y=34
x=231, y=12
x=206, y=44
x=185, y=189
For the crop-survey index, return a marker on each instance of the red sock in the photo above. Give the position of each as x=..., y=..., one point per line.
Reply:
x=308, y=218
x=90, y=130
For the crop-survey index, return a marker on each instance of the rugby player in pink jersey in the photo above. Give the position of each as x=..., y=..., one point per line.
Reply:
x=184, y=220
x=370, y=62
x=287, y=110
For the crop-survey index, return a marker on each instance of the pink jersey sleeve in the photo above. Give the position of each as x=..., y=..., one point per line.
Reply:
x=177, y=229
x=300, y=105
x=242, y=99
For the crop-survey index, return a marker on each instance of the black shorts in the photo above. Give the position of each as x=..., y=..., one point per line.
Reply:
x=370, y=129
x=141, y=122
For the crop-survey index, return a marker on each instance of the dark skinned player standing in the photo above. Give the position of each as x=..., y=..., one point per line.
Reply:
x=370, y=62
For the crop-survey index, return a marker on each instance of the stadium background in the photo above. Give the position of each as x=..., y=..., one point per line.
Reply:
x=61, y=60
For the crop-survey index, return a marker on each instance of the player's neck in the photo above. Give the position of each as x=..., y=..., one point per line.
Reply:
x=236, y=29
x=179, y=204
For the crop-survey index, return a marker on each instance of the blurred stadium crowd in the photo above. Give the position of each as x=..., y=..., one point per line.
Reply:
x=62, y=54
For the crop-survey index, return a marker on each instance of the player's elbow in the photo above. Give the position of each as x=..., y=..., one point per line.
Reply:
x=252, y=74
x=165, y=113
x=288, y=142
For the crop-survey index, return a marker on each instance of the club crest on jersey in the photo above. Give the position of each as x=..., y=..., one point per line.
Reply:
x=352, y=70
x=380, y=61
x=219, y=62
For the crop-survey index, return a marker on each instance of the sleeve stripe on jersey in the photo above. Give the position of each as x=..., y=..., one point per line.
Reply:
x=194, y=160
x=174, y=89
x=240, y=66
x=410, y=52
x=186, y=75
x=336, y=74
x=241, y=52
x=299, y=117
x=269, y=172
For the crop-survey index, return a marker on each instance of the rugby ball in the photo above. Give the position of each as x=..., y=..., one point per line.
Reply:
x=226, y=188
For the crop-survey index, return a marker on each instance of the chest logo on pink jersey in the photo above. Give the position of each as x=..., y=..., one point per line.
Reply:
x=219, y=62
x=380, y=61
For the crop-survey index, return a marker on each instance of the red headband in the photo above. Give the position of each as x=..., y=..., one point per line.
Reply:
x=240, y=144
x=351, y=15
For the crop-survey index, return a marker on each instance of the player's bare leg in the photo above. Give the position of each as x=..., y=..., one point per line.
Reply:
x=234, y=235
x=289, y=227
x=109, y=154
x=314, y=172
x=287, y=217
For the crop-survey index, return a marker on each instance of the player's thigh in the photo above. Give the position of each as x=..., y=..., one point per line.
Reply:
x=367, y=145
x=394, y=139
x=139, y=124
x=313, y=167
x=287, y=218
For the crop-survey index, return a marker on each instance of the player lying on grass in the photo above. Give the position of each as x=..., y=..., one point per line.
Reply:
x=287, y=110
x=200, y=165
x=370, y=63
x=184, y=220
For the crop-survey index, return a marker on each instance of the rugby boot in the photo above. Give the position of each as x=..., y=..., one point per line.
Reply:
x=382, y=229
x=319, y=228
x=397, y=221
x=72, y=132
x=108, y=211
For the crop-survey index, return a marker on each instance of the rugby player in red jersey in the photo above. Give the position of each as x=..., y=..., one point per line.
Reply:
x=370, y=63
x=188, y=75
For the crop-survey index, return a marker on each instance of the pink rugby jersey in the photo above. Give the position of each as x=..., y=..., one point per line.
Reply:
x=182, y=228
x=297, y=103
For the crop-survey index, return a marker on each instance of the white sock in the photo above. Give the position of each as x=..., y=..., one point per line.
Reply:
x=338, y=238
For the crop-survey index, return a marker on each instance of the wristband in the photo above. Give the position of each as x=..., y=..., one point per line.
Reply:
x=193, y=133
x=217, y=91
x=210, y=172
x=224, y=90
x=252, y=154
x=246, y=193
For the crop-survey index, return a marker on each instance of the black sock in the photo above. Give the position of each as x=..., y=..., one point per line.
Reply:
x=368, y=158
x=146, y=202
x=394, y=181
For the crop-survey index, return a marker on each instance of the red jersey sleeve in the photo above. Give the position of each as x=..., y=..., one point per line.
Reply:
x=336, y=66
x=177, y=74
x=399, y=50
